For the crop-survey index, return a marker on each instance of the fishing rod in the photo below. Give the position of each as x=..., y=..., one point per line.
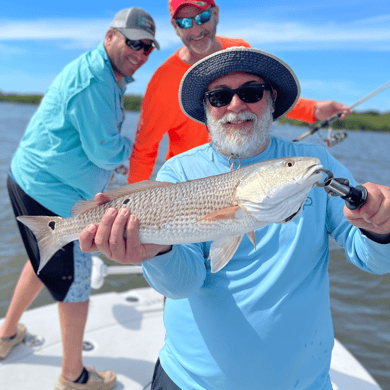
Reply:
x=329, y=121
x=355, y=197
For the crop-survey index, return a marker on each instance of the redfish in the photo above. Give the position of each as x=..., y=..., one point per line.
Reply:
x=221, y=208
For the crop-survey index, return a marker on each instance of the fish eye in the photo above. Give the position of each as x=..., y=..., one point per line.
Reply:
x=289, y=163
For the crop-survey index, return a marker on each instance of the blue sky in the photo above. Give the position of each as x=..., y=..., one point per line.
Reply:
x=339, y=49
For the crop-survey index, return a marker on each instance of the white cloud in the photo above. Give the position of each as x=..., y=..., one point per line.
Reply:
x=368, y=34
x=73, y=33
x=299, y=36
x=50, y=29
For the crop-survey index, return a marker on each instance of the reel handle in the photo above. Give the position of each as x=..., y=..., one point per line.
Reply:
x=355, y=197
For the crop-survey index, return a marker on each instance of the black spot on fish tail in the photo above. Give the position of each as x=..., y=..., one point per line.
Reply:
x=52, y=225
x=126, y=201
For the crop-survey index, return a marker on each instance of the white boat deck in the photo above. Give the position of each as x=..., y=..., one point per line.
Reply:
x=126, y=332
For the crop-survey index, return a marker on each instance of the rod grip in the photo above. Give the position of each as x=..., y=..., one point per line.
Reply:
x=356, y=198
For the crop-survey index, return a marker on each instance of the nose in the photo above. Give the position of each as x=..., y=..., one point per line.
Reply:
x=196, y=29
x=236, y=104
x=139, y=54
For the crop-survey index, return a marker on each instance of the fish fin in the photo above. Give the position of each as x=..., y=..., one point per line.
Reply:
x=226, y=213
x=252, y=237
x=82, y=206
x=222, y=250
x=43, y=228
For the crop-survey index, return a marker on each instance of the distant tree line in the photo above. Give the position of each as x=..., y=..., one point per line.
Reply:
x=131, y=102
x=368, y=120
x=29, y=99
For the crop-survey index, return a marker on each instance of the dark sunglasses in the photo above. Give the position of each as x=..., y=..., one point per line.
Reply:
x=201, y=18
x=250, y=93
x=138, y=45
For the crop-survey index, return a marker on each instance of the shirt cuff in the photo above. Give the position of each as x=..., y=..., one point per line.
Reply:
x=376, y=255
x=378, y=238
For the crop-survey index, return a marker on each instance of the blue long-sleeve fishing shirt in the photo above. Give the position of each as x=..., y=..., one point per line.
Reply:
x=264, y=320
x=73, y=142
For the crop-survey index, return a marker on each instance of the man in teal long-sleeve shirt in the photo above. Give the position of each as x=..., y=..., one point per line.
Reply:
x=263, y=321
x=68, y=153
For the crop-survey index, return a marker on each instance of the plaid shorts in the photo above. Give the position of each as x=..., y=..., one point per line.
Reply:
x=67, y=275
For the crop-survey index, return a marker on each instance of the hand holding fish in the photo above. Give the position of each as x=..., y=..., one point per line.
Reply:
x=109, y=237
x=374, y=216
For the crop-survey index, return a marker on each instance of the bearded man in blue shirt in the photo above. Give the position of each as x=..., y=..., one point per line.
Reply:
x=263, y=321
x=68, y=153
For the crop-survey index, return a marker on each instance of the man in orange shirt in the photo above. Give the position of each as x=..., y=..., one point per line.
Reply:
x=195, y=22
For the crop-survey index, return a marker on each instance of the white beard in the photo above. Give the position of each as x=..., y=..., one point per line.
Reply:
x=246, y=142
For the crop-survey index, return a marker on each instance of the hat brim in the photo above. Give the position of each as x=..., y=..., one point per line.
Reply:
x=201, y=8
x=238, y=59
x=193, y=4
x=137, y=34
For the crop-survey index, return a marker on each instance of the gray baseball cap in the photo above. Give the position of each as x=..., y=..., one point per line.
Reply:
x=135, y=24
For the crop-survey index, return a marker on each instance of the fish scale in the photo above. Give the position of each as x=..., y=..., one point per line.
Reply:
x=220, y=208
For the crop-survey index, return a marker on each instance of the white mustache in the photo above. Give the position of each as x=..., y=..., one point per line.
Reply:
x=241, y=116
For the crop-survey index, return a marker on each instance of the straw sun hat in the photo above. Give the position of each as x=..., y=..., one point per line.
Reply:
x=237, y=59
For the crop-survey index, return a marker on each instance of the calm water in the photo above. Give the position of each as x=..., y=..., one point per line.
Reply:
x=360, y=301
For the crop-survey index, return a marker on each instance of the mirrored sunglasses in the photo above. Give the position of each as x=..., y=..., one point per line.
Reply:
x=138, y=45
x=250, y=93
x=201, y=18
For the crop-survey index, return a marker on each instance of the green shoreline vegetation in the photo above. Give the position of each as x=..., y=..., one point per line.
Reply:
x=131, y=102
x=369, y=120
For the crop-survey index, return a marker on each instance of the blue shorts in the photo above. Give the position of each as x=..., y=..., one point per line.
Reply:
x=67, y=275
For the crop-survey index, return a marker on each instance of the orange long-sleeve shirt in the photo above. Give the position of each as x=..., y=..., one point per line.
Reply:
x=161, y=114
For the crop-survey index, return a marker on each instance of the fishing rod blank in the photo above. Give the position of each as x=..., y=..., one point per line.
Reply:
x=329, y=121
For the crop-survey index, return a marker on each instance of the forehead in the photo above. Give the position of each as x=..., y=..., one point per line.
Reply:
x=187, y=11
x=234, y=80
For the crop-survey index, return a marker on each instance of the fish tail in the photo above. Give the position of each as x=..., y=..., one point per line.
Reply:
x=44, y=229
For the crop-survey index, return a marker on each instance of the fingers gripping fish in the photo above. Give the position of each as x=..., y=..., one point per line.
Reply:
x=221, y=208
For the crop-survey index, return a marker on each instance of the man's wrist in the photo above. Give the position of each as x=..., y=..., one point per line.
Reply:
x=378, y=238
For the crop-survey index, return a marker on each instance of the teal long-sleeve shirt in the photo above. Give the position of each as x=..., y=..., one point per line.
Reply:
x=73, y=143
x=262, y=322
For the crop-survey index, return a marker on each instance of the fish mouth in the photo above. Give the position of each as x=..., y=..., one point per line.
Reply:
x=311, y=175
x=313, y=172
